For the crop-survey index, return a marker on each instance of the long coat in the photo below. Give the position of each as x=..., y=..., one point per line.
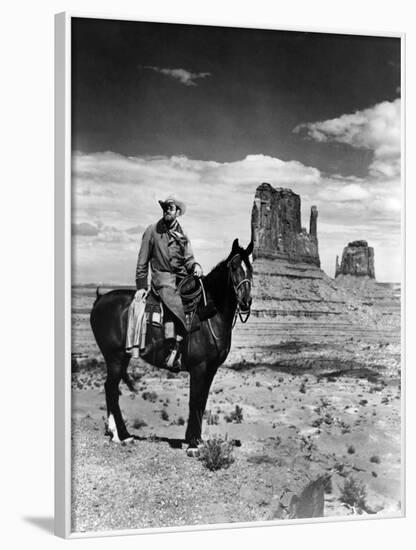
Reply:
x=170, y=259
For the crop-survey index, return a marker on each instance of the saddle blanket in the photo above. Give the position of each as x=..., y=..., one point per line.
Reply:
x=142, y=311
x=134, y=325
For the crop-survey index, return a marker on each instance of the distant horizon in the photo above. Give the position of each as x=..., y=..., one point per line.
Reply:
x=104, y=284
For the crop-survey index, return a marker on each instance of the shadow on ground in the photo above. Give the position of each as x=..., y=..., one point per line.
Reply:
x=173, y=443
x=43, y=523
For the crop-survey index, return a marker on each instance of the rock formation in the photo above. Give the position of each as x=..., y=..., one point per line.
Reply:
x=288, y=280
x=357, y=259
x=276, y=227
x=293, y=295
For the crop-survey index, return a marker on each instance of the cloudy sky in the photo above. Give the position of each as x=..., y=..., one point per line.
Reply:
x=209, y=114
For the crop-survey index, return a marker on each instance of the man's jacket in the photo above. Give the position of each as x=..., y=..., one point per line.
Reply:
x=170, y=256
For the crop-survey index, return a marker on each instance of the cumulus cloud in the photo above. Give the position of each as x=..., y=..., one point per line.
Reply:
x=99, y=233
x=138, y=229
x=123, y=193
x=376, y=128
x=85, y=229
x=368, y=207
x=182, y=75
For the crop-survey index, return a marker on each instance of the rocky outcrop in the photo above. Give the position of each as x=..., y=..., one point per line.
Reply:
x=288, y=282
x=357, y=259
x=276, y=227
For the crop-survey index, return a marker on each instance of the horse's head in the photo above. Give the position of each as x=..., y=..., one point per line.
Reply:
x=241, y=275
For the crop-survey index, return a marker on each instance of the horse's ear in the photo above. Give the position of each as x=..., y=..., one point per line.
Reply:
x=249, y=249
x=236, y=246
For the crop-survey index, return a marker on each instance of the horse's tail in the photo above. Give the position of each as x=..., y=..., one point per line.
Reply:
x=97, y=295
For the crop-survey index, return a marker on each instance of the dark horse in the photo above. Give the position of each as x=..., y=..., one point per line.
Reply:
x=228, y=287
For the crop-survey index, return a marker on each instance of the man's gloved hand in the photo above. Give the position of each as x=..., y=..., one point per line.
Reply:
x=140, y=295
x=198, y=270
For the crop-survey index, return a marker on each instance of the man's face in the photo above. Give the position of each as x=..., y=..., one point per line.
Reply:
x=170, y=213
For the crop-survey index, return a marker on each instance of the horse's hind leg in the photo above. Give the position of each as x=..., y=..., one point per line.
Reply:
x=116, y=366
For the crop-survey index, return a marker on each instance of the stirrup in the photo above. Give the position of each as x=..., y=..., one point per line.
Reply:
x=173, y=361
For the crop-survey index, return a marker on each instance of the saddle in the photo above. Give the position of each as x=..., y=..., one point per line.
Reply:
x=196, y=311
x=191, y=293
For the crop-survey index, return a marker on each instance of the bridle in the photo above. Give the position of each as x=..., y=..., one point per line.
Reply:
x=243, y=314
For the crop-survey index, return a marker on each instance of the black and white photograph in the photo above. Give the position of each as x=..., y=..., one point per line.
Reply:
x=236, y=276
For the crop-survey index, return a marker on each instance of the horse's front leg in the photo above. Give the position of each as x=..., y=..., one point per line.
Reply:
x=116, y=426
x=200, y=382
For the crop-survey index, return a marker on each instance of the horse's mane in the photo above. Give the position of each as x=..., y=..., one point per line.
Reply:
x=216, y=282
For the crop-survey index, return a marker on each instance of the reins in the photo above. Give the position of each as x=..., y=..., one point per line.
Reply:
x=209, y=320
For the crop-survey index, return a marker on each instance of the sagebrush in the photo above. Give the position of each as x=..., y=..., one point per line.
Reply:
x=216, y=453
x=235, y=416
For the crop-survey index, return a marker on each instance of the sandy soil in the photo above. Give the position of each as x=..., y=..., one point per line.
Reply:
x=328, y=404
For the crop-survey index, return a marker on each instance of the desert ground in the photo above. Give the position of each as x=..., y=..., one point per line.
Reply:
x=326, y=407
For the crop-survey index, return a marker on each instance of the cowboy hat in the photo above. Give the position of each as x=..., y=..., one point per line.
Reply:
x=173, y=200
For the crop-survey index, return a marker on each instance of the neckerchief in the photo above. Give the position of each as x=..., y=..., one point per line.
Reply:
x=175, y=232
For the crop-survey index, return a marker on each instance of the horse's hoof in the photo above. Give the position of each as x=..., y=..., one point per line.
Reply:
x=125, y=441
x=128, y=440
x=193, y=452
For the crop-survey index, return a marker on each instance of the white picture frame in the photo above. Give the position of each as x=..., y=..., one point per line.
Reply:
x=63, y=217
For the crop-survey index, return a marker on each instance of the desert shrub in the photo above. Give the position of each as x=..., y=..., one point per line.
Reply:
x=375, y=459
x=150, y=396
x=212, y=419
x=164, y=414
x=235, y=416
x=351, y=450
x=138, y=423
x=91, y=363
x=302, y=388
x=354, y=493
x=216, y=453
x=325, y=402
x=180, y=421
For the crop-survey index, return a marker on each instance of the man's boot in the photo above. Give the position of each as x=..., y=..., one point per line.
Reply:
x=174, y=358
x=173, y=342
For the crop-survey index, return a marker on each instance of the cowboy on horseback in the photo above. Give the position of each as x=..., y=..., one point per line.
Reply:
x=168, y=251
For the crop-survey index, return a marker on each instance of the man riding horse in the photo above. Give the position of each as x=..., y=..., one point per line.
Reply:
x=168, y=251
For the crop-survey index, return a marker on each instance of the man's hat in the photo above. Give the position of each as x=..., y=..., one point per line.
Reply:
x=173, y=200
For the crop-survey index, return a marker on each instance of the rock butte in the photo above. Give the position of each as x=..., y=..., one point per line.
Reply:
x=288, y=283
x=276, y=227
x=288, y=279
x=357, y=259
